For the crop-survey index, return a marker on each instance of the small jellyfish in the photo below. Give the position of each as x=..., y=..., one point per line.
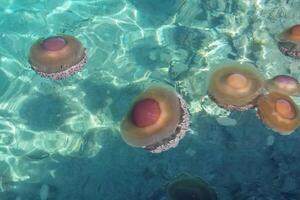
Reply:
x=283, y=84
x=187, y=187
x=57, y=57
x=278, y=112
x=235, y=86
x=157, y=120
x=289, y=42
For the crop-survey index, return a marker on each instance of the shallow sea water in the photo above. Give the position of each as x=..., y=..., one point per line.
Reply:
x=60, y=140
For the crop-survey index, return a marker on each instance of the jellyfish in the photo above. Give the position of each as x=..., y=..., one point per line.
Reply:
x=235, y=86
x=186, y=187
x=57, y=57
x=283, y=84
x=157, y=120
x=289, y=42
x=278, y=112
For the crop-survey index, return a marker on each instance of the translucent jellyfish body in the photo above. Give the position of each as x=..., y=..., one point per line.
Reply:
x=235, y=86
x=57, y=57
x=289, y=42
x=187, y=187
x=278, y=112
x=283, y=84
x=157, y=120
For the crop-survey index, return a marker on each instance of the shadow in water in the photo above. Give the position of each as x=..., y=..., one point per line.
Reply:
x=235, y=160
x=106, y=96
x=147, y=53
x=154, y=13
x=43, y=112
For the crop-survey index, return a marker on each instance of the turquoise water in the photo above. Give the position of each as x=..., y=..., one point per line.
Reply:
x=60, y=140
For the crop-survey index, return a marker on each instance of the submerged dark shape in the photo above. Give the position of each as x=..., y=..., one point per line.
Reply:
x=187, y=187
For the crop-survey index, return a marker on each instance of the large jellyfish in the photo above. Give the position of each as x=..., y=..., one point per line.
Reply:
x=157, y=120
x=278, y=112
x=57, y=57
x=235, y=86
x=289, y=42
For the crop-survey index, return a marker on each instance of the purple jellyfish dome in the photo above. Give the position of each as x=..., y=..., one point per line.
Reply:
x=284, y=79
x=145, y=113
x=54, y=43
x=283, y=84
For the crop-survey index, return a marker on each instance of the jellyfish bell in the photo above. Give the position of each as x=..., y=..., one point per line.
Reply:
x=187, y=187
x=235, y=86
x=289, y=42
x=57, y=57
x=55, y=43
x=283, y=84
x=157, y=120
x=278, y=112
x=145, y=113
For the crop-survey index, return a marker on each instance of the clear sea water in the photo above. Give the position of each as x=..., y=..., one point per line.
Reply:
x=60, y=140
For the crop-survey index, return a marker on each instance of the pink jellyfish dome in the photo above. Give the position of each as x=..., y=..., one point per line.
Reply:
x=145, y=112
x=283, y=84
x=55, y=43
